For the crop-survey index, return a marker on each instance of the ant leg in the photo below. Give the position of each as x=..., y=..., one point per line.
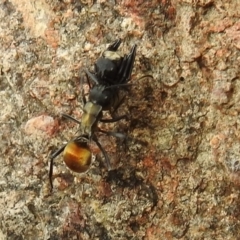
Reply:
x=94, y=138
x=118, y=135
x=84, y=100
x=114, y=46
x=92, y=76
x=113, y=134
x=71, y=118
x=54, y=155
x=89, y=84
x=115, y=119
x=116, y=107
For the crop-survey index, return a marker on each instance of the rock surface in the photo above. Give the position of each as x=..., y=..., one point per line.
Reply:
x=178, y=176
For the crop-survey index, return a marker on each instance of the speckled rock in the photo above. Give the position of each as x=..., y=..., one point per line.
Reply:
x=177, y=176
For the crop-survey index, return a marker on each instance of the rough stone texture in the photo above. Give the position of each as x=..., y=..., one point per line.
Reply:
x=178, y=176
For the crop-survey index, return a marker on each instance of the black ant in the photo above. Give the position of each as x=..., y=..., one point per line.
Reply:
x=112, y=73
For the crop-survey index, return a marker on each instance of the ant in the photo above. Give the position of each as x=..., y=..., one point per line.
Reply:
x=112, y=73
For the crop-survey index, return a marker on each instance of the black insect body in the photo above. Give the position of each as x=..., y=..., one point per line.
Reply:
x=112, y=73
x=113, y=69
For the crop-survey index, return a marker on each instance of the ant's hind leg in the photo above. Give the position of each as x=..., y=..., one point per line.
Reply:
x=123, y=137
x=52, y=157
x=94, y=138
x=114, y=134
